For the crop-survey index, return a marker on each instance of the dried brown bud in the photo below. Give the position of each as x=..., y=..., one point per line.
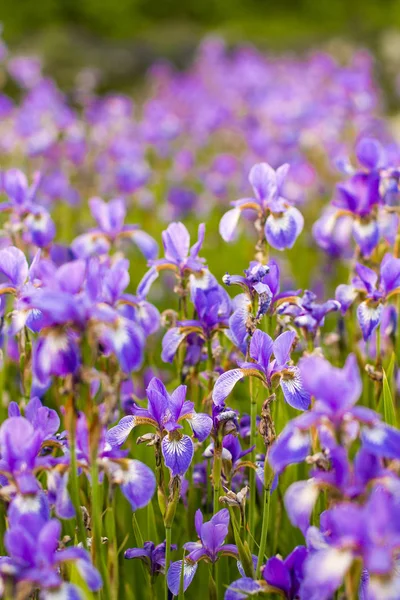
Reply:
x=267, y=427
x=374, y=373
x=150, y=439
x=238, y=500
x=169, y=318
x=86, y=517
x=319, y=460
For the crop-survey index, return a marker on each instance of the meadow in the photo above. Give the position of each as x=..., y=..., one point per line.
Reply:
x=200, y=334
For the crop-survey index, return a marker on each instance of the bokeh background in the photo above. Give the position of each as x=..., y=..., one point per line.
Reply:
x=122, y=38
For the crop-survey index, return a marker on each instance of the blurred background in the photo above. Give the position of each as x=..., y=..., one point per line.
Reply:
x=123, y=37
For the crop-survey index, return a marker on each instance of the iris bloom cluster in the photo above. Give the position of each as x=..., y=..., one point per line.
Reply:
x=225, y=414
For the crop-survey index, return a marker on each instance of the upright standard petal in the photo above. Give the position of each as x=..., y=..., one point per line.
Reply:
x=318, y=375
x=109, y=216
x=369, y=153
x=262, y=178
x=176, y=242
x=277, y=575
x=15, y=185
x=195, y=249
x=213, y=536
x=368, y=277
x=261, y=347
x=14, y=265
x=283, y=346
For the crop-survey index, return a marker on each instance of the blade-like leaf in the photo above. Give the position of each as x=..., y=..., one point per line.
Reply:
x=389, y=413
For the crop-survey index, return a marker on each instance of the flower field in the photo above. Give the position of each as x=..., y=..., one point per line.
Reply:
x=200, y=331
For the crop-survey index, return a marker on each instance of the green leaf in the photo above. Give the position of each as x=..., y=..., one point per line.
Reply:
x=390, y=369
x=389, y=413
x=243, y=548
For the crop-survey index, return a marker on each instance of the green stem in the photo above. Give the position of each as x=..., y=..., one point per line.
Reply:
x=264, y=531
x=252, y=478
x=74, y=484
x=97, y=550
x=168, y=534
x=212, y=584
x=210, y=365
x=398, y=330
x=114, y=543
x=217, y=468
x=378, y=346
x=136, y=532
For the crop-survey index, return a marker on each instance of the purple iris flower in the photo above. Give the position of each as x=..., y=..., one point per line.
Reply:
x=282, y=222
x=25, y=70
x=225, y=420
x=165, y=412
x=20, y=282
x=110, y=219
x=261, y=285
x=32, y=544
x=359, y=197
x=213, y=307
x=20, y=445
x=179, y=257
x=37, y=226
x=232, y=455
x=182, y=201
x=376, y=290
x=44, y=420
x=280, y=576
x=243, y=588
x=153, y=556
x=274, y=372
x=286, y=575
x=332, y=232
x=308, y=314
x=80, y=296
x=370, y=533
x=334, y=415
x=334, y=473
x=210, y=547
x=250, y=306
x=24, y=450
x=136, y=480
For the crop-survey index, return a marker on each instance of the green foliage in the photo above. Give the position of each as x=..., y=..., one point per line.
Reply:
x=389, y=413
